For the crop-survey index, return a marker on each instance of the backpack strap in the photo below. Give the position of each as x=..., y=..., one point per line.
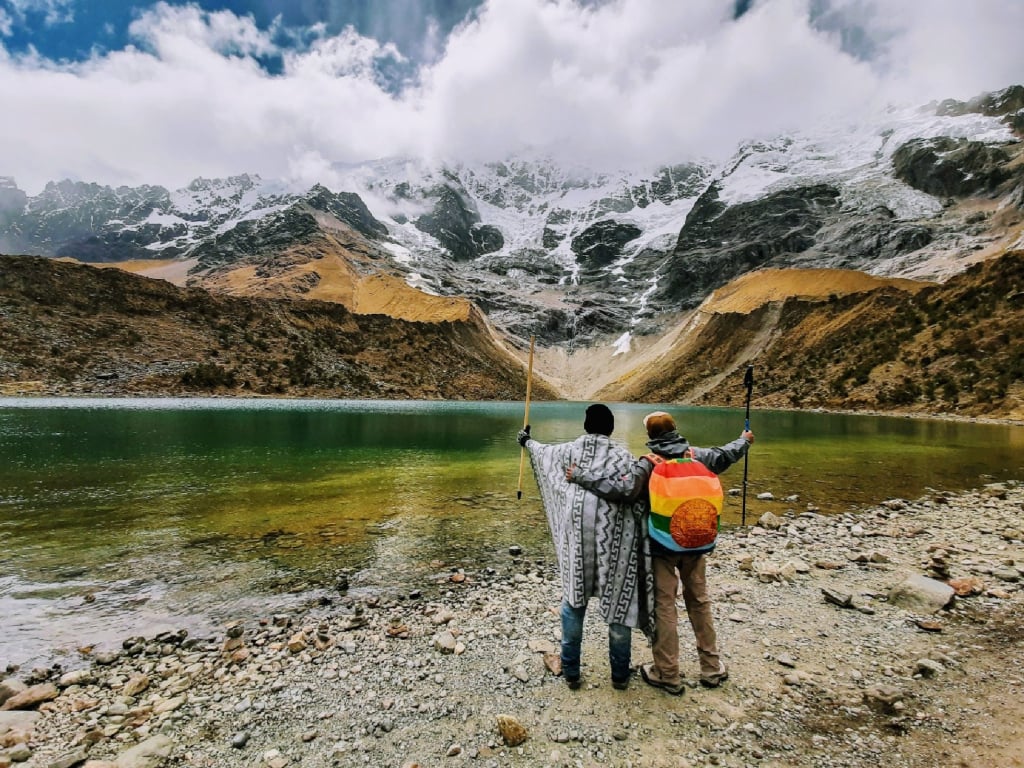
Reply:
x=655, y=459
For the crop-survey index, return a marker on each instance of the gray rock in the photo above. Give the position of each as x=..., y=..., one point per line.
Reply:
x=883, y=697
x=842, y=599
x=445, y=642
x=928, y=668
x=240, y=739
x=69, y=760
x=919, y=593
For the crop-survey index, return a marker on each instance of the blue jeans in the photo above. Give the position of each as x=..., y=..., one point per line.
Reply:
x=619, y=644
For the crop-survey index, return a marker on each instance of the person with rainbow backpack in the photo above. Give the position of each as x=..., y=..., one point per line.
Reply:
x=684, y=496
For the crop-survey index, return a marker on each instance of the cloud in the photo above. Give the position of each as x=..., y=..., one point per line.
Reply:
x=53, y=11
x=613, y=83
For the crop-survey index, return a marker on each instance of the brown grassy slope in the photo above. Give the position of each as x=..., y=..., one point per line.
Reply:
x=71, y=329
x=754, y=289
x=956, y=347
x=326, y=271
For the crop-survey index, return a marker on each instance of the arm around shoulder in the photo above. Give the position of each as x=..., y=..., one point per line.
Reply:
x=619, y=487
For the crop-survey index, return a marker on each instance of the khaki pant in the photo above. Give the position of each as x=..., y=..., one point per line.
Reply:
x=698, y=608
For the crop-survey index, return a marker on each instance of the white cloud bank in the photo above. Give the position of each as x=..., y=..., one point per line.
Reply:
x=624, y=82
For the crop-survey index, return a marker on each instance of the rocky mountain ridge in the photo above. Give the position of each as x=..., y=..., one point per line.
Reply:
x=600, y=264
x=69, y=329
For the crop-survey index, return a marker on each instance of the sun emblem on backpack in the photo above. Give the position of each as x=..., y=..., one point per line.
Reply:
x=694, y=523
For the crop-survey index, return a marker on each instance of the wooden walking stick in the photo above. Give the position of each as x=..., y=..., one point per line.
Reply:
x=526, y=418
x=748, y=382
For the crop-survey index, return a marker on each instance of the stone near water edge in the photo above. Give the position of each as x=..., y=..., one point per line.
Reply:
x=31, y=697
x=513, y=733
x=9, y=688
x=136, y=684
x=922, y=594
x=76, y=677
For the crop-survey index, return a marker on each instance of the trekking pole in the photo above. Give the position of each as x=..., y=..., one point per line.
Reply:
x=526, y=418
x=748, y=382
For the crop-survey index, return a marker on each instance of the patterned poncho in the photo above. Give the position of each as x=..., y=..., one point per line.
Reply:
x=602, y=546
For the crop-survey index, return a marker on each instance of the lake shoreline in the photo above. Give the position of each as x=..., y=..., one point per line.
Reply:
x=816, y=679
x=941, y=416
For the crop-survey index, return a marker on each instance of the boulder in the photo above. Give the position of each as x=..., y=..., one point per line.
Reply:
x=32, y=697
x=921, y=594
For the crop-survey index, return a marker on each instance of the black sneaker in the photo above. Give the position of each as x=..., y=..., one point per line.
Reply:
x=574, y=683
x=620, y=685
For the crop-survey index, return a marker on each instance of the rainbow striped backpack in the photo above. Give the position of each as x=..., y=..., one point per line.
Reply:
x=686, y=504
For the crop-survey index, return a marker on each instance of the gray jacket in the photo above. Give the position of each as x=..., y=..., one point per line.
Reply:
x=631, y=485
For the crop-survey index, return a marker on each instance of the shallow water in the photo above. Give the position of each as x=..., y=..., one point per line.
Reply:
x=122, y=517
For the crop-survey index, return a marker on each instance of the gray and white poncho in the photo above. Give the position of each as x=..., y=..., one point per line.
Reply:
x=601, y=546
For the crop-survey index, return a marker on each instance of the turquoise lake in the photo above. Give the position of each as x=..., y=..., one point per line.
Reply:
x=131, y=516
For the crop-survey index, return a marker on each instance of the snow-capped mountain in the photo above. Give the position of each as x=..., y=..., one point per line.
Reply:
x=574, y=255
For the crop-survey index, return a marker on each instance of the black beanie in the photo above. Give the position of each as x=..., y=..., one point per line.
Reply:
x=599, y=420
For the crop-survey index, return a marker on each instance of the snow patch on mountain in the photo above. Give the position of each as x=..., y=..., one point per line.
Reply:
x=856, y=157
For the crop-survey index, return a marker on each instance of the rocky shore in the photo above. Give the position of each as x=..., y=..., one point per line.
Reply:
x=890, y=636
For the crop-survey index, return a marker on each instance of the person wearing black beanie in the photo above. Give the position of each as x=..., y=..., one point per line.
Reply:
x=601, y=545
x=599, y=420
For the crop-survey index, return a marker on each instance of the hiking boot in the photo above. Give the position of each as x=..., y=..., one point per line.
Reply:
x=650, y=675
x=620, y=685
x=716, y=679
x=574, y=683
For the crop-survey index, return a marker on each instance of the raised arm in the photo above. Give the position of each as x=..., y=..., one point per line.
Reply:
x=720, y=459
x=622, y=486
